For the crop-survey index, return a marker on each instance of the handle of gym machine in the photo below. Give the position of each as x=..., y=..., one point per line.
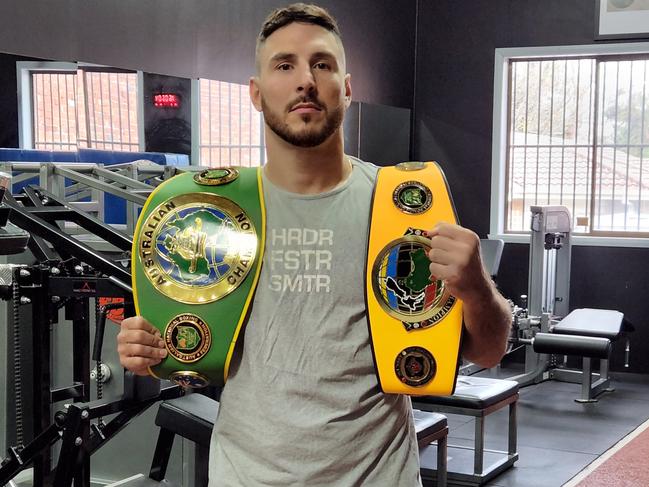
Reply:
x=101, y=325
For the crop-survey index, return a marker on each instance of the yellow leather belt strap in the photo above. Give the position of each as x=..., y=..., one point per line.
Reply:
x=415, y=324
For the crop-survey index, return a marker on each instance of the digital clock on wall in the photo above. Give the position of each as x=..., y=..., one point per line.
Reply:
x=166, y=100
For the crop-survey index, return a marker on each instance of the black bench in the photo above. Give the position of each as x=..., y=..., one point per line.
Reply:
x=193, y=416
x=433, y=427
x=477, y=397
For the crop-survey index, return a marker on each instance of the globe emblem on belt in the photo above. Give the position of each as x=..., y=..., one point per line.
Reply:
x=197, y=247
x=404, y=287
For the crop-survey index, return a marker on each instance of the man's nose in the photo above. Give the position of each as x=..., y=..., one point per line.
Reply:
x=306, y=81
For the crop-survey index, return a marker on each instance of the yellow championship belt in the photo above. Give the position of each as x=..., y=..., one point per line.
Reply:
x=415, y=323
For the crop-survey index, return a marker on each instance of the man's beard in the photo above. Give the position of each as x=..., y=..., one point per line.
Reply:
x=307, y=137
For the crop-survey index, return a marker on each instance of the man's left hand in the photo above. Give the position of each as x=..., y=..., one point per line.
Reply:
x=455, y=259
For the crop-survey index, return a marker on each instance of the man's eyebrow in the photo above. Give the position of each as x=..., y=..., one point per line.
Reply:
x=323, y=54
x=282, y=56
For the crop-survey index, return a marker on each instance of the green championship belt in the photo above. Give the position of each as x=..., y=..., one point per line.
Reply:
x=197, y=254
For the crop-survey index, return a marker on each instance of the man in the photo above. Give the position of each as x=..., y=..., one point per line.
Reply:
x=302, y=404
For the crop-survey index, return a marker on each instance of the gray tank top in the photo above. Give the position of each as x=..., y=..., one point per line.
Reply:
x=302, y=404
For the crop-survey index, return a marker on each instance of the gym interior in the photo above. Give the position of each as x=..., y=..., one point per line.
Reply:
x=536, y=111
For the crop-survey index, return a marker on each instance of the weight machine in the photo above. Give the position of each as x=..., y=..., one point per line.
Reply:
x=544, y=324
x=67, y=275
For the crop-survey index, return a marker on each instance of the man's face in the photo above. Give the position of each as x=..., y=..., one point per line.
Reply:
x=301, y=85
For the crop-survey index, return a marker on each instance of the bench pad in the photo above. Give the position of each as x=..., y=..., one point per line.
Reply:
x=475, y=393
x=603, y=323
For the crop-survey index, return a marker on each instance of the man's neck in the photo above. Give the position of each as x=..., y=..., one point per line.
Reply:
x=311, y=170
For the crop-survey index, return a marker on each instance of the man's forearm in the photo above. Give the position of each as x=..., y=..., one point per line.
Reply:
x=487, y=320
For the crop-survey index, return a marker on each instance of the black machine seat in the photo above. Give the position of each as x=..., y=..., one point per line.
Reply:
x=475, y=393
x=191, y=417
x=602, y=323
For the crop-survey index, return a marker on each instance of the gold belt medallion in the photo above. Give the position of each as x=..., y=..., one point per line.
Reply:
x=196, y=248
x=403, y=287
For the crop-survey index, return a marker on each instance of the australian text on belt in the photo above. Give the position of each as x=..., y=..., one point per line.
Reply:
x=415, y=323
x=196, y=260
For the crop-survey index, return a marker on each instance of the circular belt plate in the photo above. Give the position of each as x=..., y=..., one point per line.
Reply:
x=188, y=378
x=415, y=366
x=216, y=176
x=403, y=285
x=188, y=338
x=197, y=247
x=412, y=197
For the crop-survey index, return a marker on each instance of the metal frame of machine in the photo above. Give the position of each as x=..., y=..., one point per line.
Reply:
x=536, y=323
x=68, y=274
x=83, y=185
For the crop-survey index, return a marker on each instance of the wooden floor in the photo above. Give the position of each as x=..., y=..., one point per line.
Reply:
x=624, y=465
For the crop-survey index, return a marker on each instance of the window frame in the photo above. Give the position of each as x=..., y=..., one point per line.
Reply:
x=24, y=70
x=196, y=125
x=501, y=125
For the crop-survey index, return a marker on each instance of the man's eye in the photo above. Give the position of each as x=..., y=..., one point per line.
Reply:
x=284, y=67
x=321, y=66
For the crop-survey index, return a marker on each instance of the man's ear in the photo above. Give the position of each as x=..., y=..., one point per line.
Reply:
x=255, y=93
x=348, y=90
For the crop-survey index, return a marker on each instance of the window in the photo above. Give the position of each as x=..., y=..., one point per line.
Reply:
x=108, y=111
x=71, y=108
x=54, y=113
x=231, y=130
x=572, y=129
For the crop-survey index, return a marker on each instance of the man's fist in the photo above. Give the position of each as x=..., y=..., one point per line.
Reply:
x=455, y=259
x=139, y=345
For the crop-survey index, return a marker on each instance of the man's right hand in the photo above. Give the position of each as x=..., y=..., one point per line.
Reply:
x=139, y=345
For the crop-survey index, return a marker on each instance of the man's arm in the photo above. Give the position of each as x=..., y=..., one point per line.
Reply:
x=455, y=259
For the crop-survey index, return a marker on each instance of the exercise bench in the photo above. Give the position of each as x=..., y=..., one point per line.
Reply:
x=597, y=323
x=477, y=397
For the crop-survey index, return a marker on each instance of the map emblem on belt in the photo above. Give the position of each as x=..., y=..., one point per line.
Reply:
x=188, y=338
x=404, y=287
x=189, y=379
x=216, y=176
x=412, y=197
x=197, y=247
x=415, y=366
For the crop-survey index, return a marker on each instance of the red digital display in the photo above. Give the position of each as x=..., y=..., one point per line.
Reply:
x=166, y=100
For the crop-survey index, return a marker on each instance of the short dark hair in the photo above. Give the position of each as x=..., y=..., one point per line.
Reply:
x=297, y=12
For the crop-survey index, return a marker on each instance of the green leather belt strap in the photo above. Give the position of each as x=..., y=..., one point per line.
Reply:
x=196, y=259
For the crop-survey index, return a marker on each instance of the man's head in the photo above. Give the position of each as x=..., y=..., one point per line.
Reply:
x=297, y=12
x=301, y=85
